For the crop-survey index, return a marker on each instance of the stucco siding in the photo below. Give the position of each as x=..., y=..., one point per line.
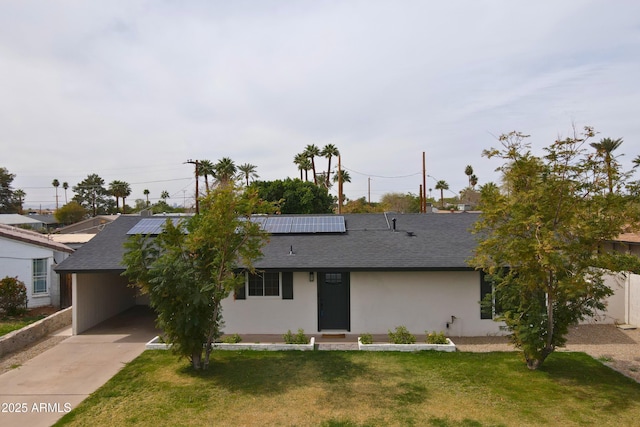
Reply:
x=16, y=260
x=421, y=301
x=273, y=315
x=97, y=297
x=633, y=314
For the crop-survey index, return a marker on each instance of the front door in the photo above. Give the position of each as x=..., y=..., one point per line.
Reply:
x=333, y=301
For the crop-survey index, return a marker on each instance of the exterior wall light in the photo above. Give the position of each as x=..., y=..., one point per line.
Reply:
x=311, y=276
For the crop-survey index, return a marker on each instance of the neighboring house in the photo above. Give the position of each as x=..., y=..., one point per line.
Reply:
x=49, y=221
x=92, y=225
x=22, y=221
x=30, y=257
x=624, y=305
x=370, y=274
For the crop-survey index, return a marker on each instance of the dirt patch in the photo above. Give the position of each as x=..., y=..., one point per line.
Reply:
x=41, y=311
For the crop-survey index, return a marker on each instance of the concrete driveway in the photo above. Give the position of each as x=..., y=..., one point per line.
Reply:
x=51, y=384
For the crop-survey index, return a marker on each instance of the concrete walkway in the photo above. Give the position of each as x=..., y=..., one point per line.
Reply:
x=51, y=384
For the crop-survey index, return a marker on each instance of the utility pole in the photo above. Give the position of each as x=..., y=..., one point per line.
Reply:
x=423, y=194
x=195, y=162
x=339, y=185
x=369, y=191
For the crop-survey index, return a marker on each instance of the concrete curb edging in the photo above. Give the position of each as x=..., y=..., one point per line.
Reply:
x=17, y=340
x=155, y=344
x=450, y=347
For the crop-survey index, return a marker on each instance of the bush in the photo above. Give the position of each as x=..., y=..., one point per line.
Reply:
x=299, y=338
x=436, y=338
x=13, y=296
x=232, y=339
x=401, y=336
x=366, y=339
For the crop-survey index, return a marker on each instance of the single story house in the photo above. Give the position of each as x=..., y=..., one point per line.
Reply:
x=30, y=257
x=24, y=221
x=352, y=273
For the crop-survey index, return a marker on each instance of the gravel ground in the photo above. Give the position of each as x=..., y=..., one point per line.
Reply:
x=616, y=348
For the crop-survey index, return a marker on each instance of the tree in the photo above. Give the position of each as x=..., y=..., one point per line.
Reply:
x=312, y=151
x=93, y=196
x=329, y=151
x=206, y=169
x=304, y=164
x=56, y=184
x=225, y=171
x=120, y=190
x=540, y=239
x=469, y=172
x=20, y=195
x=295, y=196
x=70, y=213
x=604, y=150
x=8, y=200
x=247, y=171
x=165, y=195
x=146, y=194
x=473, y=181
x=402, y=203
x=191, y=267
x=65, y=186
x=442, y=185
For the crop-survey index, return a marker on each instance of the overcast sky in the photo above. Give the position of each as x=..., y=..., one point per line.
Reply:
x=130, y=90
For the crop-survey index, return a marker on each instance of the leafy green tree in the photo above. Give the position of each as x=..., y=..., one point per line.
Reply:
x=70, y=213
x=361, y=206
x=8, y=200
x=540, y=239
x=93, y=196
x=403, y=203
x=442, y=185
x=190, y=268
x=295, y=196
x=247, y=171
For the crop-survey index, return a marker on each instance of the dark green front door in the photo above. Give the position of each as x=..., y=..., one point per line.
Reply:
x=333, y=301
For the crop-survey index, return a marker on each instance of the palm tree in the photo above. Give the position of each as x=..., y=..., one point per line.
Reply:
x=342, y=174
x=469, y=172
x=329, y=151
x=56, y=184
x=126, y=191
x=301, y=161
x=225, y=170
x=473, y=181
x=311, y=151
x=164, y=195
x=119, y=189
x=442, y=185
x=247, y=171
x=605, y=147
x=636, y=162
x=146, y=193
x=65, y=185
x=206, y=169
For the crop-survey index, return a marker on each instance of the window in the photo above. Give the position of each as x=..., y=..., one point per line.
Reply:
x=489, y=307
x=269, y=284
x=40, y=276
x=266, y=284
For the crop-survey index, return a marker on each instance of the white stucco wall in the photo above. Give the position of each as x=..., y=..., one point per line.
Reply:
x=97, y=297
x=16, y=260
x=421, y=301
x=379, y=301
x=633, y=303
x=273, y=315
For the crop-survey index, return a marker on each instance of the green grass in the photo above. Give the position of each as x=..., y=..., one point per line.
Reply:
x=10, y=324
x=362, y=389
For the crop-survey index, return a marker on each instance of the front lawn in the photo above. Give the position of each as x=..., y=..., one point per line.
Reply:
x=338, y=388
x=10, y=324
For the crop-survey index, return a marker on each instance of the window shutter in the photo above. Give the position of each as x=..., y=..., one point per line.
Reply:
x=287, y=285
x=241, y=292
x=485, y=289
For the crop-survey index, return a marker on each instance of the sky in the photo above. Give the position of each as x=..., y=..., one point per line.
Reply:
x=131, y=90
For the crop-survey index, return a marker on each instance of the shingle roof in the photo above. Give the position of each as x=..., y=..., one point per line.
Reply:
x=31, y=237
x=420, y=242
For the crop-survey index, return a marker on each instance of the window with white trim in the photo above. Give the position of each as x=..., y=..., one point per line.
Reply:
x=40, y=276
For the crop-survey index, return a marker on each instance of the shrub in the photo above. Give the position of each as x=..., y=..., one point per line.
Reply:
x=366, y=339
x=401, y=336
x=13, y=296
x=232, y=339
x=436, y=338
x=299, y=338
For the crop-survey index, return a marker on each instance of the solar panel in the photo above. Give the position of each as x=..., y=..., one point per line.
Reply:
x=305, y=224
x=151, y=225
